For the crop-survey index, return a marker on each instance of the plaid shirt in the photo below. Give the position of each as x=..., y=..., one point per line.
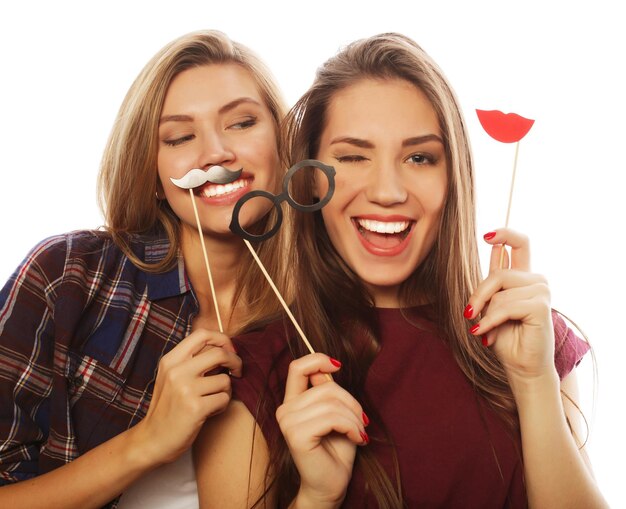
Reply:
x=82, y=330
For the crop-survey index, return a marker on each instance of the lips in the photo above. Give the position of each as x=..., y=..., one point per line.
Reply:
x=383, y=236
x=506, y=128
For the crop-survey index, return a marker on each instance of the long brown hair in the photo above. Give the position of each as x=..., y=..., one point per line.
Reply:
x=446, y=278
x=128, y=177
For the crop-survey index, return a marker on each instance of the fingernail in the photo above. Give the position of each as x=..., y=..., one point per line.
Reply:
x=364, y=437
x=489, y=235
x=469, y=311
x=485, y=340
x=335, y=362
x=474, y=328
x=366, y=419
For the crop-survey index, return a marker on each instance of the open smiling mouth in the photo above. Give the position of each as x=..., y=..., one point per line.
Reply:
x=212, y=190
x=383, y=234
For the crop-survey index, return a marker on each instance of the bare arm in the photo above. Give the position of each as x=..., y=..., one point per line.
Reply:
x=558, y=474
x=91, y=480
x=321, y=424
x=231, y=458
x=183, y=398
x=517, y=324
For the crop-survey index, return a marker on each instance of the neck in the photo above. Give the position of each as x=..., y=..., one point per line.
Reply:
x=385, y=296
x=224, y=256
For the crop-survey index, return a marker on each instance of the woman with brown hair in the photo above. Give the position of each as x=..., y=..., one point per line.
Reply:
x=108, y=362
x=446, y=388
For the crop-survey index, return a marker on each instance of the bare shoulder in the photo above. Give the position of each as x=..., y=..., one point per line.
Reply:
x=230, y=454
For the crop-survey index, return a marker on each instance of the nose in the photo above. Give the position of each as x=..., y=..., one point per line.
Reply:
x=216, y=150
x=385, y=186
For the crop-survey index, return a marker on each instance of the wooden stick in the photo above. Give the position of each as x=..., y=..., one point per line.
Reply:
x=508, y=210
x=280, y=298
x=206, y=260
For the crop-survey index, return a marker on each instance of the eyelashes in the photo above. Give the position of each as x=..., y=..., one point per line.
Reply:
x=419, y=159
x=242, y=125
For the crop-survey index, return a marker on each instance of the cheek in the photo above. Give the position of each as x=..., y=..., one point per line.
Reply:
x=434, y=200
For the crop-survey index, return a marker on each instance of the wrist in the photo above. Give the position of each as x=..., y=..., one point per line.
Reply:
x=307, y=500
x=535, y=388
x=139, y=450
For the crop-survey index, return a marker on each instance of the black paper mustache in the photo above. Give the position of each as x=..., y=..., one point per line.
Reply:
x=215, y=175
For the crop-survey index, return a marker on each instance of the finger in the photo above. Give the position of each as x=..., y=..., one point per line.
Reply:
x=195, y=392
x=528, y=304
x=497, y=281
x=519, y=244
x=190, y=346
x=214, y=384
x=327, y=393
x=301, y=369
x=499, y=258
x=307, y=427
x=208, y=360
x=214, y=338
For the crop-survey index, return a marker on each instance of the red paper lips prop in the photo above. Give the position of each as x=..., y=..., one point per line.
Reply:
x=506, y=128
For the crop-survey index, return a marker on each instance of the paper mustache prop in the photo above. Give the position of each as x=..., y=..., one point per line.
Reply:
x=236, y=228
x=506, y=128
x=215, y=175
x=196, y=178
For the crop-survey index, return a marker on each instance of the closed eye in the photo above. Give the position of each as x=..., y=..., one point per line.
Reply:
x=179, y=141
x=244, y=124
x=350, y=159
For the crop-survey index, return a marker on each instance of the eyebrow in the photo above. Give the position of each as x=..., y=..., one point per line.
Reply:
x=418, y=140
x=409, y=142
x=224, y=109
x=233, y=104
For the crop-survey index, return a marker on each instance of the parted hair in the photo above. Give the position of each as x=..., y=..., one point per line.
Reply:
x=333, y=305
x=127, y=183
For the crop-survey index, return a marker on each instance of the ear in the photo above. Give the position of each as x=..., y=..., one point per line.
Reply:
x=160, y=193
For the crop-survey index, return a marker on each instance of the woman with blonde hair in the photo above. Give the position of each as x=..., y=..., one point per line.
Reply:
x=108, y=360
x=446, y=389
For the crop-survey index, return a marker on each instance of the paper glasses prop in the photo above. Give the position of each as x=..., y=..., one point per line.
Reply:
x=506, y=128
x=195, y=178
x=235, y=225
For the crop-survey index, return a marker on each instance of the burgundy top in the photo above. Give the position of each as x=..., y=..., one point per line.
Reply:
x=452, y=448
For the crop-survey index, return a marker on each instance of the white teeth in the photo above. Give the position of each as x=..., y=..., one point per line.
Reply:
x=220, y=189
x=383, y=226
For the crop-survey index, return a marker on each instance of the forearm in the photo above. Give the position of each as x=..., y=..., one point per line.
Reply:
x=91, y=480
x=556, y=474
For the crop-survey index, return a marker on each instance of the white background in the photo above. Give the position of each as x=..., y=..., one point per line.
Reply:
x=65, y=67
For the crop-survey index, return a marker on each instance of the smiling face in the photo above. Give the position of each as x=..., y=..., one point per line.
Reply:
x=384, y=140
x=215, y=115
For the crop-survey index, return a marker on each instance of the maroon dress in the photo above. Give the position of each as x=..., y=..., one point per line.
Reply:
x=453, y=450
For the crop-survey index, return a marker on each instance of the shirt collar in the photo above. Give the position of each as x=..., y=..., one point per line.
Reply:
x=165, y=284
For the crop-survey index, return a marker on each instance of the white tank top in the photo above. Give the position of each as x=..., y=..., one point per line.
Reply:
x=171, y=486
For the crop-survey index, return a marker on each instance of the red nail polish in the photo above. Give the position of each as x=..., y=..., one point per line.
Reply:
x=364, y=437
x=489, y=235
x=474, y=328
x=335, y=362
x=366, y=419
x=485, y=340
x=469, y=311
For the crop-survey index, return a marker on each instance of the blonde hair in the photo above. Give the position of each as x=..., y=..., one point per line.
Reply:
x=127, y=183
x=445, y=278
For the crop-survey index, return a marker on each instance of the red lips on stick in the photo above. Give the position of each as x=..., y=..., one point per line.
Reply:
x=506, y=128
